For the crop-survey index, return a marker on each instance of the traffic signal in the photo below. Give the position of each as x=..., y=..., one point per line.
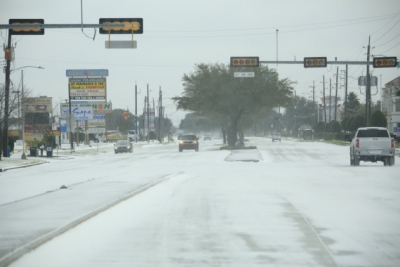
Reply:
x=26, y=31
x=385, y=62
x=132, y=24
x=315, y=62
x=245, y=62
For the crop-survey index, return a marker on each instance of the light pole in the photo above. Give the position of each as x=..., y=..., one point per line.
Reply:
x=22, y=107
x=19, y=124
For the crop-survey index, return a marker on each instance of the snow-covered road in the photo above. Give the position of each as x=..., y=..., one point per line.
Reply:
x=302, y=204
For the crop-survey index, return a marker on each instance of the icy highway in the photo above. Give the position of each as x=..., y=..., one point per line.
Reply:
x=288, y=203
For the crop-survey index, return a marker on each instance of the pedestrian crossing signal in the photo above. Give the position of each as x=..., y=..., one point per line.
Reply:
x=315, y=62
x=385, y=62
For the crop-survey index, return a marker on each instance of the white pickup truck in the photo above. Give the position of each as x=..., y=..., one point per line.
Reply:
x=372, y=144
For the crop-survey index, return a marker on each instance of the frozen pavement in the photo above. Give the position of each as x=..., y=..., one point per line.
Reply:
x=301, y=205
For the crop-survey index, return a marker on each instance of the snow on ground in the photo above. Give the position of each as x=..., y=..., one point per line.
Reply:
x=302, y=205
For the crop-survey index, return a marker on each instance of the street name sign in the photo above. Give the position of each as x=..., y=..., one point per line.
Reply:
x=243, y=74
x=121, y=44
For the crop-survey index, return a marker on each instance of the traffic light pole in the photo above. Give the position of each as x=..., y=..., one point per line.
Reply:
x=60, y=26
x=6, y=100
x=368, y=88
x=328, y=62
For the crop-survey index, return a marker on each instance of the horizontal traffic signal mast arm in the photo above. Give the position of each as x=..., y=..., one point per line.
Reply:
x=328, y=62
x=60, y=26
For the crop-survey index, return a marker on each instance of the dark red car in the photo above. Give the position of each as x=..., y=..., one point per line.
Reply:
x=188, y=141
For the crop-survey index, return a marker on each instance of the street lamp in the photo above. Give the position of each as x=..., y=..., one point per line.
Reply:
x=22, y=108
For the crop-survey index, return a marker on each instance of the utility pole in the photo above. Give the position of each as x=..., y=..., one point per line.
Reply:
x=23, y=156
x=7, y=95
x=323, y=83
x=313, y=104
x=337, y=82
x=345, y=95
x=144, y=117
x=161, y=115
x=368, y=87
x=148, y=115
x=330, y=99
x=136, y=122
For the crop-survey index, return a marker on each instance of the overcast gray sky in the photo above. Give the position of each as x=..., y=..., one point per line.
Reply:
x=180, y=33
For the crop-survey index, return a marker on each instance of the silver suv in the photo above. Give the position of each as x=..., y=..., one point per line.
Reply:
x=276, y=137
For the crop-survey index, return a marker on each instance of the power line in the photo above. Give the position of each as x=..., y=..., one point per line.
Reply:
x=385, y=24
x=344, y=23
x=387, y=31
x=391, y=48
x=388, y=41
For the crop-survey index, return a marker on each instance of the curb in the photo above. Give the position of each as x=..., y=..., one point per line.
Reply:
x=22, y=166
x=19, y=252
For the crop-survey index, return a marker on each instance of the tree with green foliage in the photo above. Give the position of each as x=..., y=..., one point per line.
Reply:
x=117, y=121
x=353, y=103
x=378, y=119
x=300, y=112
x=320, y=127
x=345, y=123
x=213, y=91
x=356, y=123
x=335, y=127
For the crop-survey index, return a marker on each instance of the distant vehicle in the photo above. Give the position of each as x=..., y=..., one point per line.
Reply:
x=123, y=146
x=207, y=137
x=132, y=135
x=188, y=141
x=372, y=144
x=276, y=137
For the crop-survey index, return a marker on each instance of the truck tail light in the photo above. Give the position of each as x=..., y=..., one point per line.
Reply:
x=357, y=143
x=392, y=142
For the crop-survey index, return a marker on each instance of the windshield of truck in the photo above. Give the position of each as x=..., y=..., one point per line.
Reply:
x=373, y=133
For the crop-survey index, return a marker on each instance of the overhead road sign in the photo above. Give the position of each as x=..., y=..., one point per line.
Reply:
x=131, y=25
x=243, y=74
x=315, y=62
x=29, y=30
x=245, y=61
x=84, y=73
x=385, y=62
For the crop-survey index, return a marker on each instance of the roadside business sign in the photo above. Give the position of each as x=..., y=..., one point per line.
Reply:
x=82, y=113
x=79, y=112
x=98, y=107
x=96, y=130
x=83, y=73
x=87, y=88
x=396, y=130
x=38, y=104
